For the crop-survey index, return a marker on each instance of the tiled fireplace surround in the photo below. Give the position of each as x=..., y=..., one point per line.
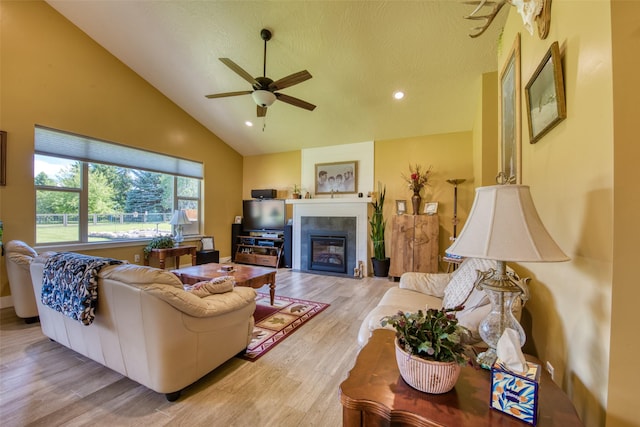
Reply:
x=326, y=215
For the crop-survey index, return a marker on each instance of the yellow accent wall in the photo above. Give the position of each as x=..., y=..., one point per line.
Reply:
x=451, y=157
x=279, y=171
x=485, y=133
x=624, y=377
x=588, y=206
x=53, y=74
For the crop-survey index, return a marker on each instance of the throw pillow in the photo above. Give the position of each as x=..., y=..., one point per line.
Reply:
x=463, y=279
x=218, y=285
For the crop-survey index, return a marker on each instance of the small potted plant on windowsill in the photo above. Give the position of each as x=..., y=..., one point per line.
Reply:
x=377, y=222
x=430, y=348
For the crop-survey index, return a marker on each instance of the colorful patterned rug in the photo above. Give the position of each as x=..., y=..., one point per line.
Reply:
x=274, y=323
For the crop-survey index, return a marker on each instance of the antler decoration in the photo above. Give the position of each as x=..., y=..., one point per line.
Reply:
x=538, y=11
x=488, y=19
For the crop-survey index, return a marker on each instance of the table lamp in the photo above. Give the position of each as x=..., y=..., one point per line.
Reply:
x=179, y=219
x=503, y=225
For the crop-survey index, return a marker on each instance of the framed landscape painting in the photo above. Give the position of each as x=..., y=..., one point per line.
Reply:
x=544, y=94
x=339, y=177
x=510, y=116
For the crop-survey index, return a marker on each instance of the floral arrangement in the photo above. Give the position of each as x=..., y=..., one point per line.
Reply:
x=417, y=179
x=431, y=334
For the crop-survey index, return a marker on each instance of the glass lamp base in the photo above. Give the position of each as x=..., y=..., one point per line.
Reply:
x=487, y=358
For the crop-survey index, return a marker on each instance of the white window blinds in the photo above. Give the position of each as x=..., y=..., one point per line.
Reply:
x=57, y=143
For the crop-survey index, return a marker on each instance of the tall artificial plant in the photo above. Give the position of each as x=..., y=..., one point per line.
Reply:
x=378, y=223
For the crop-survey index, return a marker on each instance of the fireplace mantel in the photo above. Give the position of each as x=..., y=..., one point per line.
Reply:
x=332, y=207
x=325, y=200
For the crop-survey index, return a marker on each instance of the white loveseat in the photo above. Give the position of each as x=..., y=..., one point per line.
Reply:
x=18, y=258
x=435, y=290
x=148, y=328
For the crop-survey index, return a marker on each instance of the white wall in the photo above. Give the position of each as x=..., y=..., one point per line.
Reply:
x=361, y=152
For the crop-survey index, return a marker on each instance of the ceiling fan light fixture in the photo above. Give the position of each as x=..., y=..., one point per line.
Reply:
x=263, y=98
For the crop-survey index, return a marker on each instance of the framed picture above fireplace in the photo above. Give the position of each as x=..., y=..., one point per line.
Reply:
x=336, y=178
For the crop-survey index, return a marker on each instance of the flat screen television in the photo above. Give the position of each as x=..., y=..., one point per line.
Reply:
x=263, y=215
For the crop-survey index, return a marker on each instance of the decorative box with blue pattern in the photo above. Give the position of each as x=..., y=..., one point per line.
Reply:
x=515, y=394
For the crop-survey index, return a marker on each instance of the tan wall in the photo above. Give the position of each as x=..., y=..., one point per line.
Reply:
x=279, y=171
x=450, y=156
x=55, y=75
x=623, y=377
x=570, y=171
x=485, y=133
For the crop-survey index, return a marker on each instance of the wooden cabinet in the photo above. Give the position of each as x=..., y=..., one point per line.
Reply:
x=265, y=251
x=414, y=244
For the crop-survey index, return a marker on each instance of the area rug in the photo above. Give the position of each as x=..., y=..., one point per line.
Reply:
x=275, y=323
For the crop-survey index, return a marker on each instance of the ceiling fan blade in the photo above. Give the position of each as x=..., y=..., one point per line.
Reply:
x=224, y=95
x=290, y=80
x=295, y=101
x=239, y=71
x=261, y=111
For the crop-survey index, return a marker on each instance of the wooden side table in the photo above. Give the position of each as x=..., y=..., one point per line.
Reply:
x=176, y=252
x=374, y=394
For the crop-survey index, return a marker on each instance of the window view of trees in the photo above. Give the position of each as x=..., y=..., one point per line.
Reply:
x=121, y=203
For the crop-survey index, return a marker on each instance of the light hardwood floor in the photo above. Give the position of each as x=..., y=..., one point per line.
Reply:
x=295, y=384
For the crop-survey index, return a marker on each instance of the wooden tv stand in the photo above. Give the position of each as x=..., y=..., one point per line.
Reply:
x=259, y=250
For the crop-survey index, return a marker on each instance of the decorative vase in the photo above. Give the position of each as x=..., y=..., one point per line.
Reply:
x=426, y=375
x=415, y=201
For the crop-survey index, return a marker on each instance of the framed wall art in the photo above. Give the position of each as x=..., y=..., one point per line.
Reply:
x=544, y=94
x=339, y=177
x=509, y=115
x=431, y=208
x=207, y=243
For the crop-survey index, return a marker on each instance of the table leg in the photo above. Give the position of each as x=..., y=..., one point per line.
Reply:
x=272, y=291
x=161, y=257
x=178, y=261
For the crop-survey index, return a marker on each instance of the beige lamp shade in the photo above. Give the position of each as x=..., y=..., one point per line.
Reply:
x=504, y=225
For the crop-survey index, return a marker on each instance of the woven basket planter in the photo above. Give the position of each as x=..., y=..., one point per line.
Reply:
x=427, y=375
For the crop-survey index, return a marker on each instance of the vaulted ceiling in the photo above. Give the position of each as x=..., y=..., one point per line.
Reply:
x=358, y=52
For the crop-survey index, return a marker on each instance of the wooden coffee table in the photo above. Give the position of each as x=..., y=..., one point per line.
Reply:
x=374, y=394
x=255, y=277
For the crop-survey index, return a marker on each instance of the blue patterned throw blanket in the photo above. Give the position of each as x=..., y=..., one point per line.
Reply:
x=70, y=285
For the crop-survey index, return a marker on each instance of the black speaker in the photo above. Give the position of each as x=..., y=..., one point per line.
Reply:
x=288, y=246
x=236, y=231
x=264, y=194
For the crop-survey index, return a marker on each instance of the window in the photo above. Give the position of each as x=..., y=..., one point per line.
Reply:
x=89, y=190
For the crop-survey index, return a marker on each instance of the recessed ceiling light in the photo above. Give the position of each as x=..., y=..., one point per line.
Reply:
x=398, y=94
x=248, y=123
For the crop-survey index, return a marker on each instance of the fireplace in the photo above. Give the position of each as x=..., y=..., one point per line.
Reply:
x=334, y=238
x=331, y=217
x=328, y=253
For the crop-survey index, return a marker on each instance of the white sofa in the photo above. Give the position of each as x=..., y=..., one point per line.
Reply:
x=416, y=291
x=148, y=328
x=18, y=258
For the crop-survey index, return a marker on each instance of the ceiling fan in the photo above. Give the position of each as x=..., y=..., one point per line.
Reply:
x=264, y=89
